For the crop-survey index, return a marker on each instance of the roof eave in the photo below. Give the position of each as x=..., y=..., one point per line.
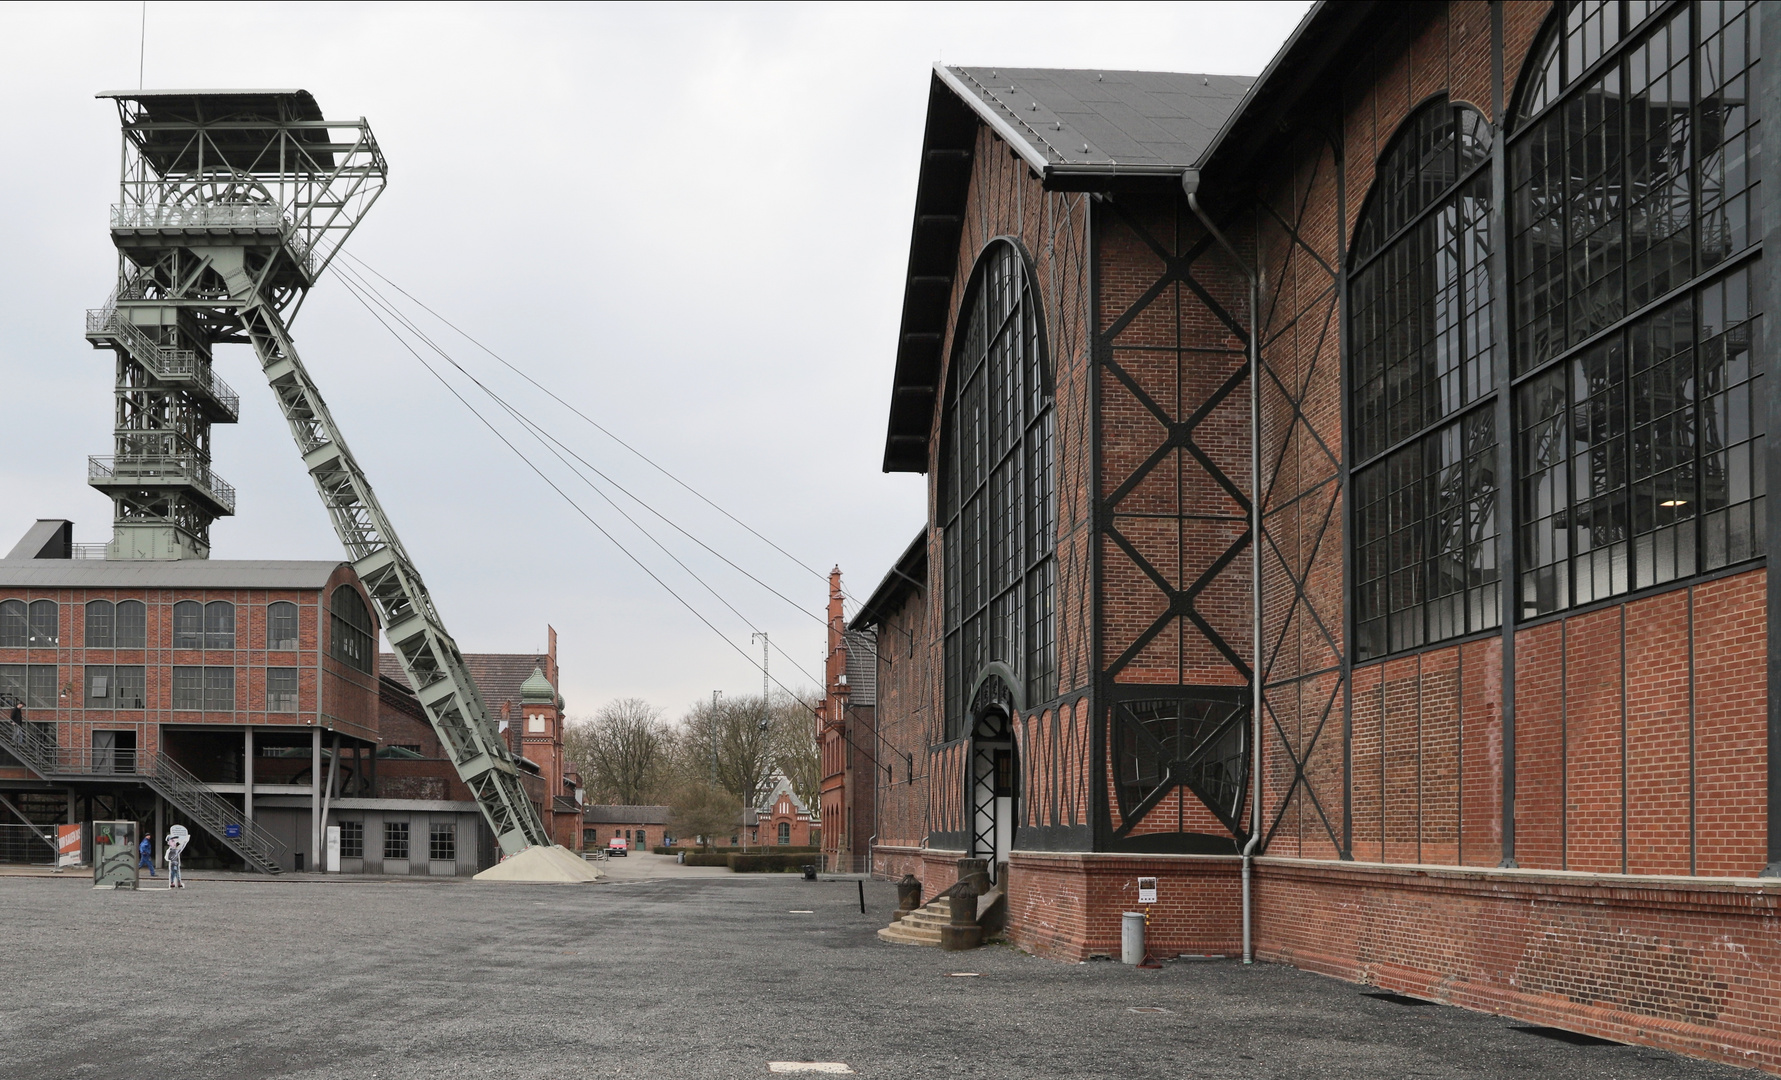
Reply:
x=1032, y=155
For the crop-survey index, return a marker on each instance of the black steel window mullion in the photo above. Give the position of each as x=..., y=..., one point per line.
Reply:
x=1661, y=483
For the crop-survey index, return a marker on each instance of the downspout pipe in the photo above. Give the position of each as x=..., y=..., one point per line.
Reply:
x=1190, y=184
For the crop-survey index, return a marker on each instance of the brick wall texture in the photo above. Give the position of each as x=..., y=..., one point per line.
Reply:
x=1631, y=909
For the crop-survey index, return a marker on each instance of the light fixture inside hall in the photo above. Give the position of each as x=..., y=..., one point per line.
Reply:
x=1674, y=502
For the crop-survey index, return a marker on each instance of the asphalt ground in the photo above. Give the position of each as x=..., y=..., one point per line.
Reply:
x=653, y=973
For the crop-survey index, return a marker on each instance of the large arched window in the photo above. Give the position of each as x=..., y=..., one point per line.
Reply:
x=219, y=625
x=281, y=625
x=101, y=624
x=353, y=635
x=996, y=495
x=1424, y=433
x=1638, y=405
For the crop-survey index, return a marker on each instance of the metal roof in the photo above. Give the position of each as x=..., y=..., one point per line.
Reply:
x=908, y=574
x=238, y=126
x=1077, y=130
x=176, y=574
x=1070, y=122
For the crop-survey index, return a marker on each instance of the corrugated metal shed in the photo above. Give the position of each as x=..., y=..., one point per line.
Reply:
x=176, y=574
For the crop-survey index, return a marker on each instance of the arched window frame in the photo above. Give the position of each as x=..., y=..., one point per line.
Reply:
x=130, y=621
x=996, y=489
x=101, y=624
x=188, y=625
x=15, y=624
x=1632, y=223
x=1423, y=388
x=282, y=627
x=46, y=624
x=352, y=633
x=219, y=625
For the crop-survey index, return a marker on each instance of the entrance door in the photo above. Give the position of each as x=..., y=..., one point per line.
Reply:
x=114, y=751
x=995, y=785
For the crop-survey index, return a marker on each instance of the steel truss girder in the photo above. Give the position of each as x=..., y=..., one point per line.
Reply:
x=427, y=653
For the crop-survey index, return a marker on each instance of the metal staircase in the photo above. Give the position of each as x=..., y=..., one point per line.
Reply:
x=167, y=778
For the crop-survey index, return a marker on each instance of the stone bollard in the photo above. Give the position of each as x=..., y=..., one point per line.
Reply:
x=963, y=932
x=908, y=895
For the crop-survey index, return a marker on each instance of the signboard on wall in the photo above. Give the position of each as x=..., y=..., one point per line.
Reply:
x=1146, y=890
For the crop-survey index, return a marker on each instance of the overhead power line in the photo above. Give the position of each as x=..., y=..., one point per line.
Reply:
x=354, y=283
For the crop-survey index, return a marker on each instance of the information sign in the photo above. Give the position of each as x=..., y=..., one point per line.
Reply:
x=1146, y=890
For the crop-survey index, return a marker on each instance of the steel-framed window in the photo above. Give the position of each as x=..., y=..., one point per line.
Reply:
x=101, y=629
x=395, y=839
x=1424, y=442
x=281, y=689
x=352, y=839
x=352, y=640
x=997, y=497
x=442, y=842
x=1637, y=401
x=281, y=625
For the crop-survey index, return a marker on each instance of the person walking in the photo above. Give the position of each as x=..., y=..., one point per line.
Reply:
x=146, y=849
x=177, y=838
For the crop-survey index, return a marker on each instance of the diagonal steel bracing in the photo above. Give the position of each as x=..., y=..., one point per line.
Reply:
x=231, y=205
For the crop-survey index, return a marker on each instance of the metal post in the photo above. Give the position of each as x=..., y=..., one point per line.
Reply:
x=328, y=790
x=160, y=830
x=247, y=773
x=315, y=794
x=1768, y=85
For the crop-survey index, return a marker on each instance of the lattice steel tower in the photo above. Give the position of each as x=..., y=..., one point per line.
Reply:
x=231, y=205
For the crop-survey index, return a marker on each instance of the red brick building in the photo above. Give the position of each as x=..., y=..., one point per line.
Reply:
x=844, y=724
x=642, y=827
x=1455, y=616
x=241, y=698
x=780, y=818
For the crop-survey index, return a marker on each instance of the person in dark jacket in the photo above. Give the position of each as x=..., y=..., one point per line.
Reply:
x=147, y=850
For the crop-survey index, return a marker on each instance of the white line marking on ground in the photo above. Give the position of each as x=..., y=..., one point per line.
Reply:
x=808, y=1066
x=962, y=975
x=800, y=911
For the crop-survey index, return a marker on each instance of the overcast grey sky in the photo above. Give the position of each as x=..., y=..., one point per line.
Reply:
x=690, y=221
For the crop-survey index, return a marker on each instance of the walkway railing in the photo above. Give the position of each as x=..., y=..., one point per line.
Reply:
x=166, y=364
x=104, y=469
x=216, y=815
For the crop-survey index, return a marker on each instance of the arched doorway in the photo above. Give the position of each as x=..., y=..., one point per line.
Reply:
x=993, y=782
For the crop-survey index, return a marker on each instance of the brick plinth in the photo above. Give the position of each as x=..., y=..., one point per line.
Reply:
x=1687, y=964
x=1067, y=905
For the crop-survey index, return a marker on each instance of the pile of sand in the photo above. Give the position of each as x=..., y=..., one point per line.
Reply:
x=554, y=865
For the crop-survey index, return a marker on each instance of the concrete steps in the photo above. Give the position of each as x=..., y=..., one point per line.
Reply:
x=919, y=927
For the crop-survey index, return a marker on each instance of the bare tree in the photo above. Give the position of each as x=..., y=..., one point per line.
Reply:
x=731, y=743
x=622, y=752
x=701, y=808
x=795, y=752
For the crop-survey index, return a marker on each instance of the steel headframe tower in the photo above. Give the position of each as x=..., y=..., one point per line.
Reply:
x=230, y=207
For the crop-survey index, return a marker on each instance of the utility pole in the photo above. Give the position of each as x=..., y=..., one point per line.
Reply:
x=755, y=780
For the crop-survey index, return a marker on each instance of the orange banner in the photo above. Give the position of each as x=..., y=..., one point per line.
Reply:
x=67, y=845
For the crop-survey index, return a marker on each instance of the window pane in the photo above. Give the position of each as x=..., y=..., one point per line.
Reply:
x=443, y=842
x=219, y=689
x=395, y=839
x=100, y=630
x=188, y=625
x=131, y=687
x=45, y=623
x=281, y=626
x=132, y=624
x=13, y=624
x=281, y=689
x=352, y=839
x=188, y=688
x=219, y=625
x=42, y=691
x=99, y=687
